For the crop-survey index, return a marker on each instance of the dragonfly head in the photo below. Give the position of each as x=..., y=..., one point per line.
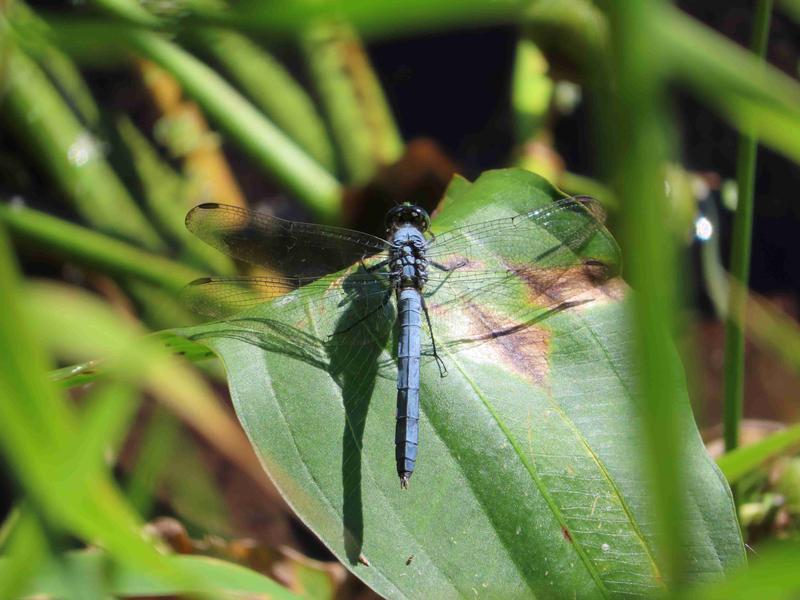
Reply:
x=408, y=214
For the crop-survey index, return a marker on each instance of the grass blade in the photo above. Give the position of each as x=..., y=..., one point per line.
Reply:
x=71, y=155
x=640, y=122
x=67, y=240
x=360, y=118
x=737, y=463
x=269, y=146
x=272, y=88
x=753, y=97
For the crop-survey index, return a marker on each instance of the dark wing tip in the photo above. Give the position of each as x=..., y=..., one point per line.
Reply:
x=191, y=214
x=200, y=281
x=592, y=206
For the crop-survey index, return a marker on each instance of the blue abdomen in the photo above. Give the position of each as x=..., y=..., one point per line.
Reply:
x=408, y=357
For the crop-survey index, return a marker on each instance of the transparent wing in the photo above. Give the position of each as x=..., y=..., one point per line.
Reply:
x=498, y=275
x=298, y=250
x=485, y=280
x=344, y=309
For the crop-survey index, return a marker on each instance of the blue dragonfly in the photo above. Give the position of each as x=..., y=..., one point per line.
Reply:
x=342, y=288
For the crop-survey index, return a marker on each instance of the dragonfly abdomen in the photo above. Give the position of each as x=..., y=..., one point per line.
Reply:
x=408, y=357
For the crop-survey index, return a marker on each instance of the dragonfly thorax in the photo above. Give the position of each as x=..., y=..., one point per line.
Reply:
x=407, y=262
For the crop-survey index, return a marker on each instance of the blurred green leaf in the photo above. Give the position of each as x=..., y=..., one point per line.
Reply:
x=105, y=422
x=772, y=575
x=576, y=29
x=370, y=17
x=741, y=243
x=84, y=327
x=360, y=118
x=533, y=470
x=741, y=461
x=205, y=574
x=24, y=551
x=754, y=97
x=157, y=445
x=194, y=493
x=272, y=88
x=41, y=442
x=70, y=153
x=34, y=36
x=62, y=239
x=251, y=130
x=635, y=117
x=133, y=12
x=91, y=370
x=531, y=90
x=792, y=8
x=165, y=193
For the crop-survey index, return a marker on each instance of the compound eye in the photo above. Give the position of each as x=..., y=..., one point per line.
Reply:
x=391, y=217
x=423, y=220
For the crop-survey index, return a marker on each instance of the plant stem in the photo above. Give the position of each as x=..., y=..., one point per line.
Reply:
x=740, y=254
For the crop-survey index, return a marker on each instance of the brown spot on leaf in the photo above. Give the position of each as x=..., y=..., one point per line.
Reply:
x=587, y=282
x=567, y=535
x=519, y=347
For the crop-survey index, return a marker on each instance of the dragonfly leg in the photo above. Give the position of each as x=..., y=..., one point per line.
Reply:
x=439, y=361
x=374, y=267
x=381, y=306
x=442, y=267
x=448, y=270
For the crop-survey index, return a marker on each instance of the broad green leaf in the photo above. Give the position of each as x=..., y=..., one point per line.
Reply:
x=529, y=480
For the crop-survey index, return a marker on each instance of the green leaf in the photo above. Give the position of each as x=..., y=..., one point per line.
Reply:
x=272, y=88
x=741, y=461
x=361, y=121
x=69, y=154
x=66, y=240
x=529, y=480
x=773, y=575
x=269, y=146
x=94, y=570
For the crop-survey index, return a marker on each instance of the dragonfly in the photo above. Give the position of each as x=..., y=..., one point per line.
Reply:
x=346, y=288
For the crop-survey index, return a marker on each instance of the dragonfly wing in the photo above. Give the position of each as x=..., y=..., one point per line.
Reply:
x=301, y=250
x=346, y=309
x=511, y=271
